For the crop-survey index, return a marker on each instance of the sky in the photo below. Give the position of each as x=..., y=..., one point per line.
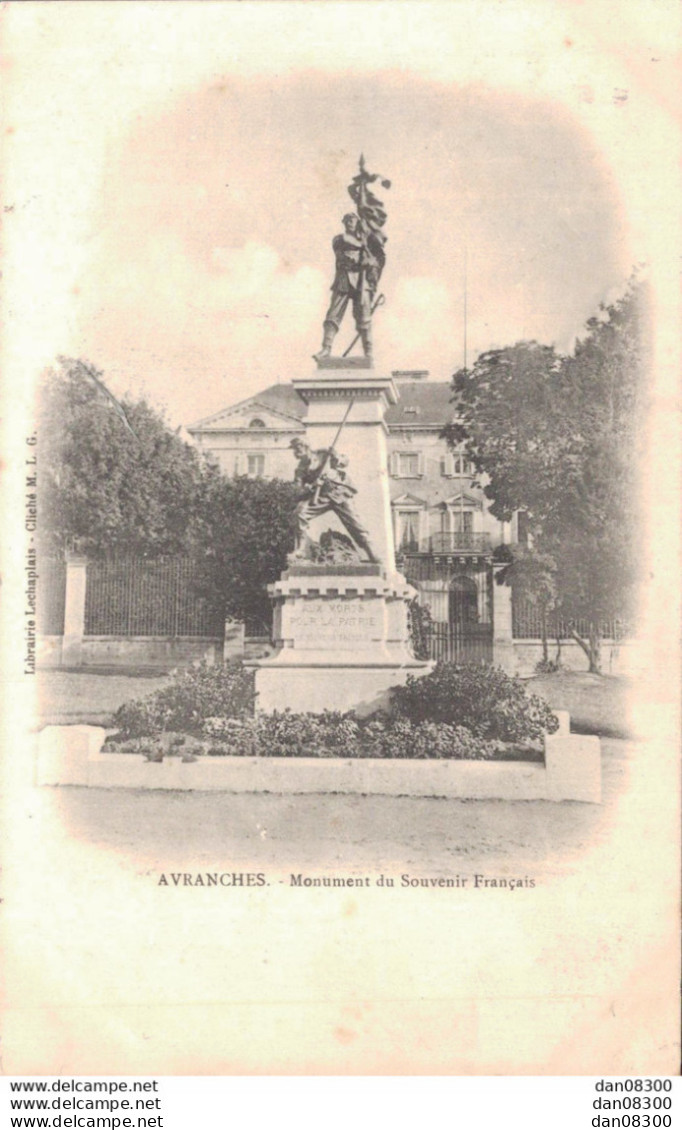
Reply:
x=182, y=169
x=213, y=257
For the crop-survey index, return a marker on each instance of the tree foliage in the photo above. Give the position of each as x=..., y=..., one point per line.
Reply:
x=592, y=532
x=512, y=425
x=116, y=479
x=252, y=529
x=561, y=438
x=106, y=487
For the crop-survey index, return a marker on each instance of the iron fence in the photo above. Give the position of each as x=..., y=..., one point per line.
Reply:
x=527, y=624
x=140, y=597
x=460, y=643
x=258, y=627
x=50, y=596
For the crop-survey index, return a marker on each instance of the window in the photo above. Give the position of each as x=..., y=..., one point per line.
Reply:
x=408, y=465
x=462, y=521
x=462, y=465
x=407, y=531
x=457, y=464
x=256, y=423
x=456, y=521
x=255, y=466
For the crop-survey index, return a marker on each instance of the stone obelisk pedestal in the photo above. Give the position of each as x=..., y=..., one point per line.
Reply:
x=341, y=629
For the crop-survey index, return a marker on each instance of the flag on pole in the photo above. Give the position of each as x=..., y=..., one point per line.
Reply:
x=372, y=218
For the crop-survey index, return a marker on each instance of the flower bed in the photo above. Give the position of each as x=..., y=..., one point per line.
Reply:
x=327, y=735
x=457, y=712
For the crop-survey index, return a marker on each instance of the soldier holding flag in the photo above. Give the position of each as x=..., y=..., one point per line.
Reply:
x=360, y=258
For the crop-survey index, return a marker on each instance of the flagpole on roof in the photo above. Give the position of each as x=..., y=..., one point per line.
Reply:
x=466, y=255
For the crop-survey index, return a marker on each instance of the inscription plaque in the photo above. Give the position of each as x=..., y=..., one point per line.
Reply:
x=335, y=622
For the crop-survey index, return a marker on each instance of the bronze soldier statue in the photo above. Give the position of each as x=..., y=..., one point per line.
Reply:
x=325, y=487
x=355, y=280
x=360, y=259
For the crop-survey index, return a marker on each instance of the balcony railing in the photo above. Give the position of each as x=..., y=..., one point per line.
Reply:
x=454, y=542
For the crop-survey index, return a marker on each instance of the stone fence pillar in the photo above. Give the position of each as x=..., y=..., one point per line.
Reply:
x=503, y=641
x=233, y=640
x=74, y=611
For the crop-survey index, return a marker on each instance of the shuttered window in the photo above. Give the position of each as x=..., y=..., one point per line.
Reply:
x=408, y=465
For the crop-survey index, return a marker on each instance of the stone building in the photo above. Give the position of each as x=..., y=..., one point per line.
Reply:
x=444, y=533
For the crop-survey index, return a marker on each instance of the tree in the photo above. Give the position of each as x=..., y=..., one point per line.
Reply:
x=253, y=525
x=560, y=438
x=512, y=425
x=112, y=477
x=115, y=478
x=532, y=576
x=592, y=531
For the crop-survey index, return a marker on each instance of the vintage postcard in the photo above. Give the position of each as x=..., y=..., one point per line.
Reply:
x=341, y=507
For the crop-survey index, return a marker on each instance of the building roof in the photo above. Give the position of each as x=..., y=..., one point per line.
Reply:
x=421, y=404
x=283, y=398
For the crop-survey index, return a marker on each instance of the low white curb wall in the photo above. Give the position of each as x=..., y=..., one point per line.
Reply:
x=70, y=755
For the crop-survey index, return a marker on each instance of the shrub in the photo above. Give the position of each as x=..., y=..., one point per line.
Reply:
x=330, y=734
x=140, y=718
x=343, y=736
x=317, y=735
x=398, y=738
x=486, y=701
x=419, y=621
x=234, y=737
x=192, y=697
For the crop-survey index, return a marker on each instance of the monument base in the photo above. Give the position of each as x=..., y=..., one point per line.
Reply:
x=308, y=687
x=342, y=639
x=353, y=362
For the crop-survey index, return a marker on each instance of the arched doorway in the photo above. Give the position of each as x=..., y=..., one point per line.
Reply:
x=469, y=630
x=460, y=607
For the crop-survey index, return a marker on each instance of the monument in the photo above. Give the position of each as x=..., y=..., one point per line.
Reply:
x=340, y=621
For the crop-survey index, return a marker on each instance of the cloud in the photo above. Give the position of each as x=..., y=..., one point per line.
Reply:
x=420, y=326
x=238, y=312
